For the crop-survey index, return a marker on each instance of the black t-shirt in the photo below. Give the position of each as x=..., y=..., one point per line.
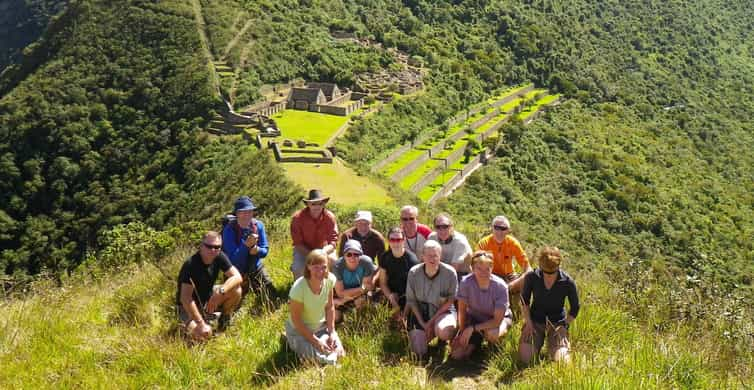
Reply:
x=202, y=275
x=550, y=304
x=397, y=269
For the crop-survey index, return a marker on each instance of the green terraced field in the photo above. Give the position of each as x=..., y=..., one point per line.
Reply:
x=406, y=158
x=525, y=114
x=417, y=174
x=436, y=185
x=506, y=92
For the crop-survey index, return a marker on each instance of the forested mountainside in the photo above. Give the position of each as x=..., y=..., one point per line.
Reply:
x=643, y=175
x=103, y=127
x=21, y=23
x=102, y=121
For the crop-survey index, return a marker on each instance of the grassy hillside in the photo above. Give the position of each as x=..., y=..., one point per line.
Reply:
x=119, y=331
x=643, y=175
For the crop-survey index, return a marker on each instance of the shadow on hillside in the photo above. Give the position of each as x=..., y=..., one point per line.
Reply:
x=446, y=369
x=276, y=366
x=394, y=347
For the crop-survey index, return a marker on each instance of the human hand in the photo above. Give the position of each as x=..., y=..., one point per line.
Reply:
x=202, y=331
x=251, y=241
x=332, y=341
x=214, y=301
x=528, y=330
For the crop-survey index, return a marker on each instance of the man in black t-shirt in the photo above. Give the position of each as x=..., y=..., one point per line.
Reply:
x=196, y=297
x=394, y=266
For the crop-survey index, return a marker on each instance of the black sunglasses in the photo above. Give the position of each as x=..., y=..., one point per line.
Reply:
x=442, y=226
x=215, y=247
x=498, y=227
x=406, y=219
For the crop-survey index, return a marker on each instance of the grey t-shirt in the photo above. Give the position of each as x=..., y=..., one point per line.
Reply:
x=352, y=279
x=481, y=304
x=455, y=251
x=433, y=291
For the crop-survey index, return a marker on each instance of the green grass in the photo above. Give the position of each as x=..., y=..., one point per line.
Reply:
x=119, y=331
x=436, y=185
x=402, y=161
x=529, y=111
x=309, y=126
x=340, y=182
x=418, y=173
x=507, y=92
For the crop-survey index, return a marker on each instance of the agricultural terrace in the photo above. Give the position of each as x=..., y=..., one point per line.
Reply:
x=339, y=182
x=419, y=150
x=533, y=108
x=507, y=92
x=455, y=166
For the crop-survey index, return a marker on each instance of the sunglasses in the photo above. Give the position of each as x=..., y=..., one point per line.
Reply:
x=352, y=254
x=406, y=219
x=501, y=228
x=214, y=247
x=442, y=227
x=483, y=254
x=396, y=240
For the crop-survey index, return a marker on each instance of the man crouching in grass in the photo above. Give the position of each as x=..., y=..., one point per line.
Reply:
x=196, y=298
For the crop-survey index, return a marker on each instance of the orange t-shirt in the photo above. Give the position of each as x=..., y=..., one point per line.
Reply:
x=502, y=252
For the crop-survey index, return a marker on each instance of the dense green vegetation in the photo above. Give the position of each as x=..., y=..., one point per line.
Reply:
x=22, y=22
x=107, y=132
x=643, y=175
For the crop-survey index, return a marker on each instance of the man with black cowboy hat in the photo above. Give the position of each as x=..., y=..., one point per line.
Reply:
x=245, y=244
x=313, y=227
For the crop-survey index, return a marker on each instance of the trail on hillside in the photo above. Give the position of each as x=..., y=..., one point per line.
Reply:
x=201, y=27
x=233, y=42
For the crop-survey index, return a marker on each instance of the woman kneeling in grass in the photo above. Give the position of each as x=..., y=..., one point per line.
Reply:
x=546, y=316
x=483, y=307
x=310, y=328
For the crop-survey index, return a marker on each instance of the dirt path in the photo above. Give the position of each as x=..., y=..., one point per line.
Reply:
x=233, y=42
x=201, y=27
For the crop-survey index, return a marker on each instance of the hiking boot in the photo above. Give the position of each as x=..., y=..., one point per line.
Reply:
x=223, y=322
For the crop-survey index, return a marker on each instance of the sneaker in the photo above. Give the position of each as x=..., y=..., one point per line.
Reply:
x=223, y=322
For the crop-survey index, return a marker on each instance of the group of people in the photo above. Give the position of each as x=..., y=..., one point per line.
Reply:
x=434, y=283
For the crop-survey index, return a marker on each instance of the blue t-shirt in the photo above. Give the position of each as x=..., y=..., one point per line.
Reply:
x=352, y=279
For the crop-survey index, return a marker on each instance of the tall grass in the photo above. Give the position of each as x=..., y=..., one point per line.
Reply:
x=119, y=331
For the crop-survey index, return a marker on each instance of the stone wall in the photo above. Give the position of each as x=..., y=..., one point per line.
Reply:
x=410, y=167
x=510, y=98
x=318, y=156
x=540, y=111
x=428, y=178
x=392, y=157
x=457, y=178
x=272, y=109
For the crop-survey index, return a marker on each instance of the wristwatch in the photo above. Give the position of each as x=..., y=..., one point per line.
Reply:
x=222, y=290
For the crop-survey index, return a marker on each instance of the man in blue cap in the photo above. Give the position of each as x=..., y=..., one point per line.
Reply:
x=245, y=244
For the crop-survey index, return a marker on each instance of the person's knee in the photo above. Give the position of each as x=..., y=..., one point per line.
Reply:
x=561, y=354
x=525, y=353
x=418, y=342
x=446, y=333
x=492, y=336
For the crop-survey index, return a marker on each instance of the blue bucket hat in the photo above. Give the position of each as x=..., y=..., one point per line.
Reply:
x=243, y=204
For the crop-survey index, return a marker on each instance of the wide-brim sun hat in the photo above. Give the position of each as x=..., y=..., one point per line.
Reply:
x=243, y=203
x=316, y=196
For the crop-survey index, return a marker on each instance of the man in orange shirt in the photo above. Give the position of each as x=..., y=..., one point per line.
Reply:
x=503, y=247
